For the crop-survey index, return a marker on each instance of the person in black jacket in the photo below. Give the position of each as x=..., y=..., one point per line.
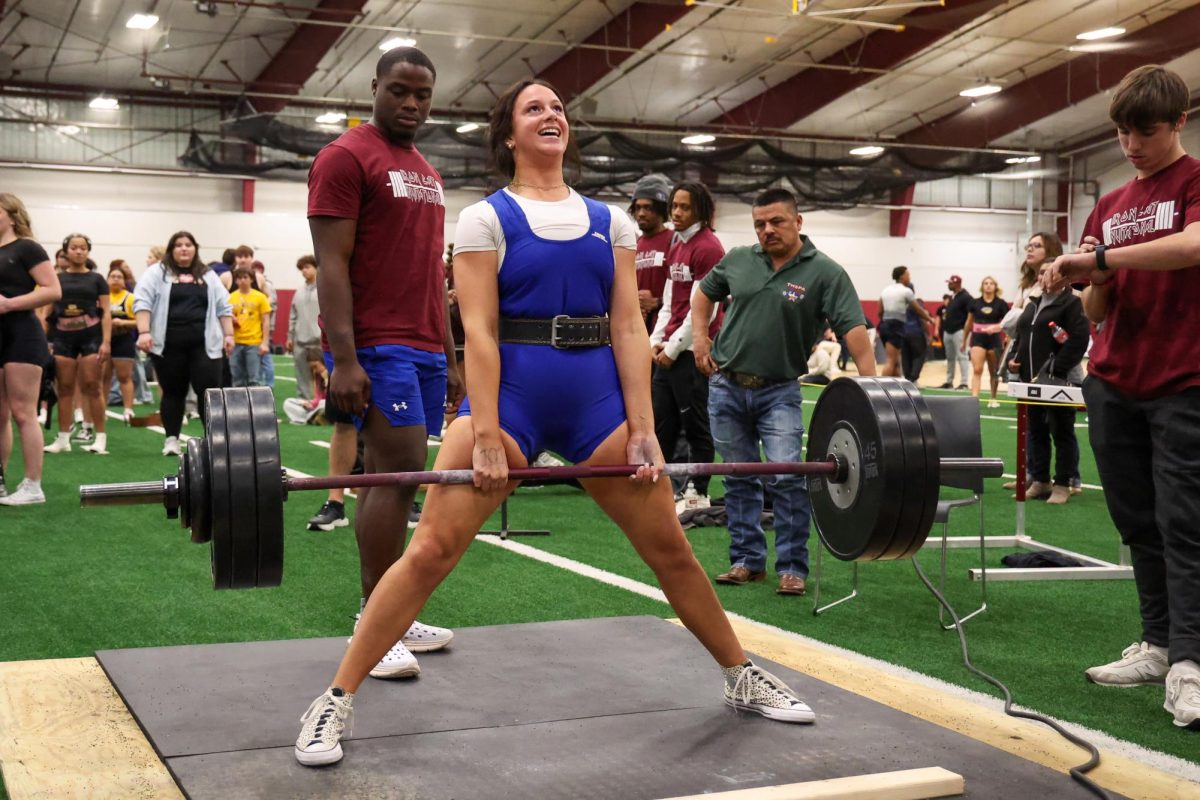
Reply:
x=1037, y=354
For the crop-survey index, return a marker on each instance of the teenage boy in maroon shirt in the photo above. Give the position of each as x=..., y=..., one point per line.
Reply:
x=678, y=390
x=1141, y=256
x=649, y=211
x=377, y=213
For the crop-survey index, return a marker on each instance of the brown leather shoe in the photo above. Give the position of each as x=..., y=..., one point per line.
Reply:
x=1059, y=495
x=740, y=575
x=790, y=584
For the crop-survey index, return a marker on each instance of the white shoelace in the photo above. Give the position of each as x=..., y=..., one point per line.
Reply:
x=755, y=680
x=323, y=708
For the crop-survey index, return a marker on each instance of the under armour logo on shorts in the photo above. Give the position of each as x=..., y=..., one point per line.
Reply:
x=400, y=406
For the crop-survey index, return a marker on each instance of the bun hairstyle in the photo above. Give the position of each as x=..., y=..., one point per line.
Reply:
x=67, y=241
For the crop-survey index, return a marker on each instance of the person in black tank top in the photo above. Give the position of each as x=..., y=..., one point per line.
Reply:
x=985, y=337
x=27, y=282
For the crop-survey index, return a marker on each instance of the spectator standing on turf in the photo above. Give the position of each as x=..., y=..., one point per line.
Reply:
x=251, y=318
x=1052, y=336
x=1141, y=256
x=783, y=290
x=985, y=336
x=895, y=302
x=953, y=323
x=124, y=336
x=679, y=391
x=27, y=282
x=916, y=341
x=81, y=339
x=267, y=287
x=650, y=212
x=304, y=334
x=185, y=323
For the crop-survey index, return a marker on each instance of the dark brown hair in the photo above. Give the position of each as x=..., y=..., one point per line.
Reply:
x=500, y=122
x=243, y=250
x=702, y=201
x=243, y=272
x=1052, y=246
x=1147, y=96
x=198, y=266
x=120, y=266
x=306, y=261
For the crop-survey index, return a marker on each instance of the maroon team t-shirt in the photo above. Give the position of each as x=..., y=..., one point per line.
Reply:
x=396, y=272
x=1146, y=347
x=687, y=263
x=652, y=267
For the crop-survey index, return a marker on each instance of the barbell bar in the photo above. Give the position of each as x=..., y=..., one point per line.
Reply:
x=873, y=473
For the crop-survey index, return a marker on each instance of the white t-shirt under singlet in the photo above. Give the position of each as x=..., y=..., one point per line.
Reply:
x=479, y=229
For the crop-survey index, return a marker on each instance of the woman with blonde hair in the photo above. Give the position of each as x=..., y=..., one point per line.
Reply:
x=27, y=281
x=985, y=337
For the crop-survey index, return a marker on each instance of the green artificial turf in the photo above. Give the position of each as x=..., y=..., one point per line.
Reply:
x=80, y=580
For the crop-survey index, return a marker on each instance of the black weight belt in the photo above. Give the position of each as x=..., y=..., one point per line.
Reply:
x=560, y=332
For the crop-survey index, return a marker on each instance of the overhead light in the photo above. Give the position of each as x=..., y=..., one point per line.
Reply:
x=68, y=130
x=142, y=22
x=331, y=118
x=980, y=91
x=102, y=103
x=467, y=127
x=396, y=41
x=1100, y=33
x=867, y=150
x=699, y=138
x=1023, y=160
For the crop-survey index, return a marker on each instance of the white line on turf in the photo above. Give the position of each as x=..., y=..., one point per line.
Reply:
x=1162, y=761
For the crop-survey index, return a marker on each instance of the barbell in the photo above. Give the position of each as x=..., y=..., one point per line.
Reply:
x=873, y=475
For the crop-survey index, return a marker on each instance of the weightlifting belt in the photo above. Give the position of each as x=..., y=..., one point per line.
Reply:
x=747, y=381
x=560, y=332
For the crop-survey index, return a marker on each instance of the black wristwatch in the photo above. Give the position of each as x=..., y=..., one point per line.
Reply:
x=1099, y=251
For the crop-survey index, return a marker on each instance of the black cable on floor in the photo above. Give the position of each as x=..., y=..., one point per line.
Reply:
x=1077, y=772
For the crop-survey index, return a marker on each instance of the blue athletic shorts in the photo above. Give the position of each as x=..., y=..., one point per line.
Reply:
x=408, y=385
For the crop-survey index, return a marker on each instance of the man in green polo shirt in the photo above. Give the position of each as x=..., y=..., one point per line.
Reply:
x=782, y=290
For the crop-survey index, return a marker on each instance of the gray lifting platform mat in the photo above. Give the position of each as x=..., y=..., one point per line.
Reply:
x=605, y=708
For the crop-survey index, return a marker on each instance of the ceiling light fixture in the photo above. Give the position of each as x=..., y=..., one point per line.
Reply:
x=1100, y=33
x=467, y=127
x=331, y=118
x=102, y=103
x=699, y=138
x=68, y=130
x=867, y=150
x=1023, y=160
x=980, y=91
x=142, y=22
x=396, y=41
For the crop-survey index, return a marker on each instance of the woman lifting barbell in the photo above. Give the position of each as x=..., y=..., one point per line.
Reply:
x=589, y=401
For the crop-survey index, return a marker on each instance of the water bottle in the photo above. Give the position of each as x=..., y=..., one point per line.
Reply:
x=1058, y=333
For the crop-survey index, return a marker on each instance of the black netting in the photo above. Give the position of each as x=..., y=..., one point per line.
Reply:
x=821, y=175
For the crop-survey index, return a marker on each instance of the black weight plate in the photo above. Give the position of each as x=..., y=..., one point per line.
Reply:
x=933, y=471
x=185, y=489
x=199, y=499
x=243, y=528
x=912, y=507
x=269, y=483
x=220, y=505
x=865, y=527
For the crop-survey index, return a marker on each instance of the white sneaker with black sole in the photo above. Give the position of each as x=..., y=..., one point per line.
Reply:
x=1140, y=664
x=320, y=739
x=751, y=688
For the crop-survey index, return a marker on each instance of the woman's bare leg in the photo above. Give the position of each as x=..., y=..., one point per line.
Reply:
x=451, y=517
x=647, y=516
x=978, y=356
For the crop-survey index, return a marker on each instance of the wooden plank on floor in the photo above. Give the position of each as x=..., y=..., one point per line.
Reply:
x=64, y=732
x=909, y=784
x=1029, y=740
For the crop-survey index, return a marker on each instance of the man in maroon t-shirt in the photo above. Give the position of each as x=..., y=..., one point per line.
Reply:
x=377, y=215
x=649, y=211
x=1141, y=255
x=678, y=390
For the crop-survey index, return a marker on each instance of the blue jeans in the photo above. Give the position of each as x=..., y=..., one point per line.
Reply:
x=268, y=370
x=245, y=365
x=741, y=419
